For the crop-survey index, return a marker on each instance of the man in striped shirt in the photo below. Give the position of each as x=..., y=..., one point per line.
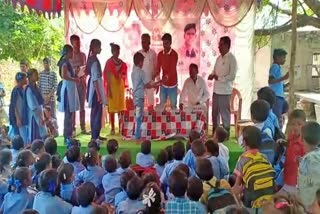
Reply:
x=48, y=86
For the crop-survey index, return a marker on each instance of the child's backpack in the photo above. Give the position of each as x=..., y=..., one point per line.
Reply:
x=219, y=198
x=258, y=178
x=267, y=146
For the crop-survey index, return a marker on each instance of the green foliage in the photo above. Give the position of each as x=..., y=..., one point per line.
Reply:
x=26, y=35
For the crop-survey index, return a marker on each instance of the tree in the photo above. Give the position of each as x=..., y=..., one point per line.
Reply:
x=308, y=15
x=26, y=35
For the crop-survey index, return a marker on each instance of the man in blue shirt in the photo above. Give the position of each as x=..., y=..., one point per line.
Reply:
x=277, y=85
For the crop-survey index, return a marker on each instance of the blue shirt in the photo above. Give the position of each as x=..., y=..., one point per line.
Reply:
x=96, y=77
x=139, y=80
x=183, y=206
x=276, y=73
x=129, y=206
x=82, y=210
x=15, y=202
x=111, y=186
x=66, y=191
x=271, y=122
x=215, y=163
x=159, y=169
x=93, y=174
x=121, y=196
x=190, y=160
x=78, y=167
x=144, y=160
x=14, y=154
x=168, y=169
x=45, y=203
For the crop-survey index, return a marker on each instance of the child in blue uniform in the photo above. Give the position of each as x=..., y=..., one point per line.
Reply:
x=86, y=194
x=18, y=198
x=66, y=178
x=73, y=156
x=5, y=172
x=45, y=202
x=144, y=158
x=17, y=146
x=111, y=181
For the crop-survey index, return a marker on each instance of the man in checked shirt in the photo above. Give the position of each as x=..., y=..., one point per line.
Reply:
x=48, y=86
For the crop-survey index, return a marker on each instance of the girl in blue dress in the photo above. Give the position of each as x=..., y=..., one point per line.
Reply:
x=34, y=108
x=69, y=98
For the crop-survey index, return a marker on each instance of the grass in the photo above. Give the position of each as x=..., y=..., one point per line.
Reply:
x=134, y=148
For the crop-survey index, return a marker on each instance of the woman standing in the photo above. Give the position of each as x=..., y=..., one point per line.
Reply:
x=69, y=98
x=115, y=76
x=34, y=105
x=96, y=94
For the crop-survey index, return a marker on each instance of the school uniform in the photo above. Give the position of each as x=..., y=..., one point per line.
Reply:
x=190, y=160
x=69, y=102
x=121, y=170
x=15, y=202
x=78, y=167
x=4, y=176
x=66, y=191
x=159, y=169
x=92, y=174
x=121, y=196
x=111, y=186
x=129, y=206
x=46, y=203
x=34, y=102
x=144, y=160
x=14, y=154
x=82, y=210
x=215, y=166
x=17, y=105
x=96, y=107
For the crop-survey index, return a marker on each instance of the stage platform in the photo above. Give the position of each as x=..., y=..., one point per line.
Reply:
x=134, y=147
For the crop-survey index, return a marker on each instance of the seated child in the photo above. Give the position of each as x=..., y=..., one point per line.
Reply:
x=198, y=150
x=144, y=158
x=66, y=178
x=220, y=135
x=42, y=162
x=92, y=172
x=294, y=152
x=178, y=183
x=50, y=146
x=162, y=159
x=132, y=203
x=205, y=173
x=46, y=202
x=250, y=163
x=151, y=205
x=73, y=156
x=189, y=158
x=37, y=147
x=195, y=191
x=111, y=180
x=25, y=158
x=193, y=135
x=309, y=174
x=4, y=138
x=219, y=165
x=18, y=198
x=50, y=122
x=112, y=148
x=86, y=195
x=17, y=146
x=124, y=162
x=124, y=179
x=56, y=162
x=5, y=171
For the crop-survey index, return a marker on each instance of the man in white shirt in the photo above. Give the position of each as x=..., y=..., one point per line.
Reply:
x=224, y=74
x=149, y=66
x=195, y=91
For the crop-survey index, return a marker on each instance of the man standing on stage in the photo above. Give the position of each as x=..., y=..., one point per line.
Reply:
x=167, y=62
x=78, y=63
x=149, y=66
x=224, y=74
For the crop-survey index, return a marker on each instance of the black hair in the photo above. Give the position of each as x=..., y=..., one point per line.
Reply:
x=56, y=162
x=190, y=26
x=311, y=133
x=29, y=211
x=48, y=181
x=193, y=65
x=36, y=146
x=198, y=148
x=73, y=154
x=251, y=136
x=20, y=76
x=114, y=46
x=148, y=178
x=47, y=108
x=145, y=35
x=184, y=168
x=267, y=94
x=169, y=151
x=19, y=176
x=162, y=157
x=137, y=58
x=93, y=44
x=86, y=193
x=125, y=178
x=110, y=164
x=226, y=40
x=212, y=148
x=204, y=169
x=279, y=53
x=74, y=37
x=298, y=114
x=23, y=157
x=17, y=142
x=178, y=183
x=50, y=145
x=178, y=150
x=125, y=159
x=5, y=159
x=90, y=158
x=31, y=71
x=65, y=172
x=259, y=110
x=42, y=163
x=24, y=62
x=193, y=135
x=166, y=37
x=46, y=60
x=146, y=147
x=221, y=134
x=195, y=188
x=65, y=50
x=93, y=144
x=112, y=146
x=134, y=188
x=155, y=207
